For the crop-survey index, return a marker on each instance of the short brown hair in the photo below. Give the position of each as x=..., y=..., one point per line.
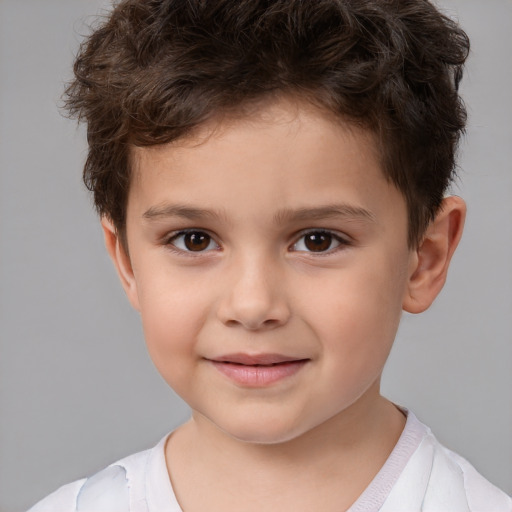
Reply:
x=154, y=70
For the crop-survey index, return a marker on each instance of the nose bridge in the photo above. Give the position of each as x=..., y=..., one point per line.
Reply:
x=255, y=292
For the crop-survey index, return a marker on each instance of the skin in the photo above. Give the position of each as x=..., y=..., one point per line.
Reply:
x=258, y=189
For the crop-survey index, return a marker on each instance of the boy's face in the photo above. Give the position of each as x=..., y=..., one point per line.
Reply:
x=269, y=262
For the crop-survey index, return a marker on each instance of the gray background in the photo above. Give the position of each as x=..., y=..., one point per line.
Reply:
x=77, y=389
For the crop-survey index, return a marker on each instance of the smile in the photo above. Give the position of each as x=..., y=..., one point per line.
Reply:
x=257, y=370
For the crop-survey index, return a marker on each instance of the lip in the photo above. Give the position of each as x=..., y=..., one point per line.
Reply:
x=257, y=370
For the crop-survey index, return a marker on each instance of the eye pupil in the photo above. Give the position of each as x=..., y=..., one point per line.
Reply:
x=196, y=241
x=317, y=242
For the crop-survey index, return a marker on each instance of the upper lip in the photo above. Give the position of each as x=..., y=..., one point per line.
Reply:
x=255, y=359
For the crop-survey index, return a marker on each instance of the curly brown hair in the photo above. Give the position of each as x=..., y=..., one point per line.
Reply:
x=154, y=70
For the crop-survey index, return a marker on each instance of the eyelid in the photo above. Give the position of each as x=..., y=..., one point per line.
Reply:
x=168, y=239
x=344, y=241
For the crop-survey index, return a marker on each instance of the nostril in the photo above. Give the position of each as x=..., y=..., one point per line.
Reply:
x=254, y=304
x=254, y=325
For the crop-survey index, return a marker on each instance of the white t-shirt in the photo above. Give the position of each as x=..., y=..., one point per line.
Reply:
x=419, y=475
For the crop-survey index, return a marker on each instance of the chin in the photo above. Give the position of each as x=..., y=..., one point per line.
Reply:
x=262, y=431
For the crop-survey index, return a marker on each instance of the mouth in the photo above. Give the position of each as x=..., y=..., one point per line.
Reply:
x=257, y=370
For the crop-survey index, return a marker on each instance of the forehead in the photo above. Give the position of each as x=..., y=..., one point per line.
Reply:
x=285, y=154
x=294, y=119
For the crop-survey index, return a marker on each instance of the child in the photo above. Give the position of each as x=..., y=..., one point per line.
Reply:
x=271, y=179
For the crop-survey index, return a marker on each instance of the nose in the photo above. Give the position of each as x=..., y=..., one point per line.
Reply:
x=255, y=296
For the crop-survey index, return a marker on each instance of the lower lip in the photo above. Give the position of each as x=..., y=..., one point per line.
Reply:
x=258, y=376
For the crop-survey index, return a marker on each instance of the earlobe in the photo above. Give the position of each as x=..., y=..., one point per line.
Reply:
x=121, y=261
x=432, y=257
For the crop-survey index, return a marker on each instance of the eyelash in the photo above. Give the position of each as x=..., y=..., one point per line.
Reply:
x=169, y=242
x=342, y=242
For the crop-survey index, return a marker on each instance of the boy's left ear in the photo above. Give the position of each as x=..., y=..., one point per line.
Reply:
x=433, y=255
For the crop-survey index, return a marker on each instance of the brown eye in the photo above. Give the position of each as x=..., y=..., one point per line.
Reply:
x=193, y=241
x=196, y=241
x=318, y=241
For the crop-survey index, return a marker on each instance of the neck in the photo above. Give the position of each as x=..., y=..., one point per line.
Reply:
x=345, y=452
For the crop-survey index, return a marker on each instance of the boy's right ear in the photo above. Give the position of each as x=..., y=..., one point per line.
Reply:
x=121, y=261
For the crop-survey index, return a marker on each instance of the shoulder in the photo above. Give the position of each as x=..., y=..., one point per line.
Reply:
x=441, y=480
x=63, y=499
x=108, y=489
x=481, y=495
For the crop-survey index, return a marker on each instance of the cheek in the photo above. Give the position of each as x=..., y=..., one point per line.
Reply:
x=172, y=312
x=356, y=348
x=357, y=311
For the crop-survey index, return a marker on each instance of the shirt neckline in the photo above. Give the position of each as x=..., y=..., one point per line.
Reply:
x=374, y=496
x=160, y=494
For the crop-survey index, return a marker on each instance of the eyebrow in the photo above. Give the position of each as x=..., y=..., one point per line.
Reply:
x=324, y=212
x=178, y=210
x=284, y=215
